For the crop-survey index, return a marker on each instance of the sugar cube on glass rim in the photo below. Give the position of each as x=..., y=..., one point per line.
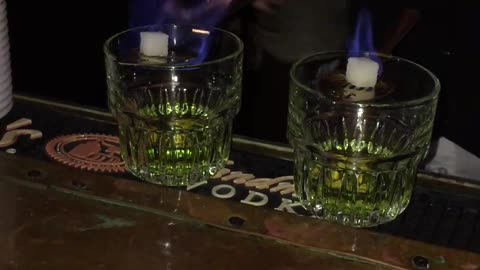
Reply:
x=362, y=72
x=154, y=44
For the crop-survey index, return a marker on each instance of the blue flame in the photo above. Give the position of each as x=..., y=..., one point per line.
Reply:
x=205, y=14
x=142, y=12
x=202, y=51
x=363, y=37
x=362, y=44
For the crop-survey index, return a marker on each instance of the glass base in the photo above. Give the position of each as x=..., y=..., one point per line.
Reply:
x=356, y=192
x=360, y=220
x=186, y=179
x=174, y=151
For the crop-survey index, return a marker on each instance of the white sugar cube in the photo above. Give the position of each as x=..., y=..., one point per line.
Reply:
x=154, y=44
x=362, y=72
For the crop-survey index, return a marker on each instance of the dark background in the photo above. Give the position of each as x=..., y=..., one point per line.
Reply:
x=56, y=47
x=57, y=53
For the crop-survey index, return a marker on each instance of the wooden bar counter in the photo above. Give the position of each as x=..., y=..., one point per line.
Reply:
x=53, y=216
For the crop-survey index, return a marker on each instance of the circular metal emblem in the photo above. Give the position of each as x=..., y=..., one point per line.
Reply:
x=91, y=152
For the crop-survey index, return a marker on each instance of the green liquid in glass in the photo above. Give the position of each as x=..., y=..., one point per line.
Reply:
x=355, y=184
x=175, y=145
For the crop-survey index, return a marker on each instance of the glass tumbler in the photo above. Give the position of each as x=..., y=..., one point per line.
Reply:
x=174, y=110
x=356, y=161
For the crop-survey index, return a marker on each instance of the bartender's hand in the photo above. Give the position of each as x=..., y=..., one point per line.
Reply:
x=267, y=5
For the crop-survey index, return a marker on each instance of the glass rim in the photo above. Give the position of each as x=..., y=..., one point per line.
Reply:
x=232, y=55
x=361, y=104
